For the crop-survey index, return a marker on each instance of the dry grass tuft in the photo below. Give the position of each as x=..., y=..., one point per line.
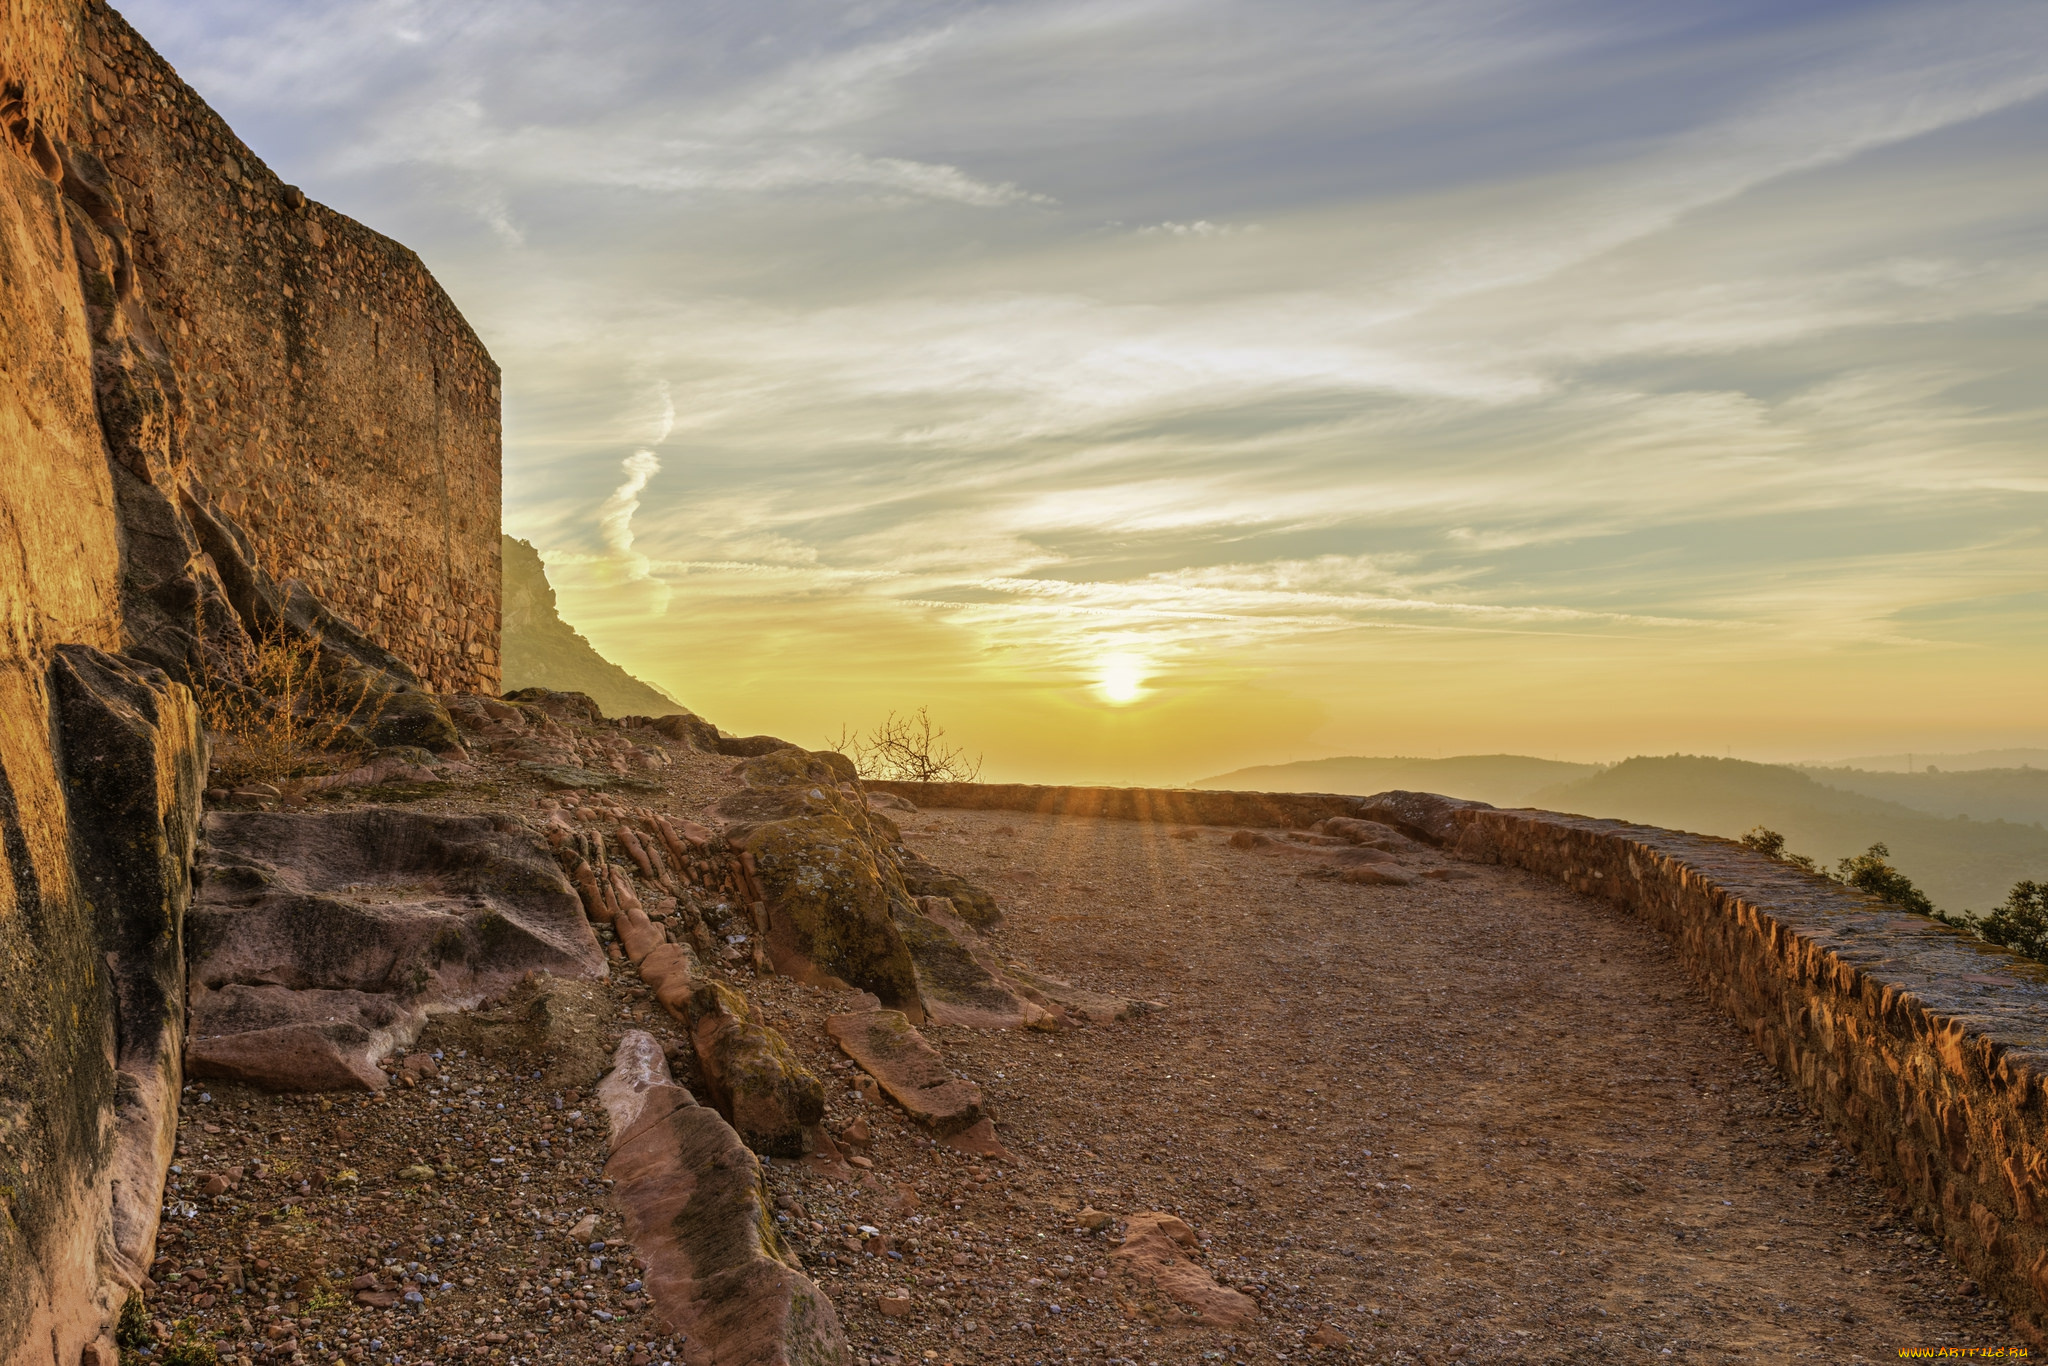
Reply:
x=274, y=713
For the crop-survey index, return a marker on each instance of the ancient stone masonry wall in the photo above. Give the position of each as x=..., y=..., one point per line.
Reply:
x=340, y=407
x=1925, y=1049
x=1192, y=806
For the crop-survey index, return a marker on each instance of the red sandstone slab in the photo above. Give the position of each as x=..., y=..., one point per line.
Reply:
x=909, y=1069
x=1151, y=1252
x=698, y=1211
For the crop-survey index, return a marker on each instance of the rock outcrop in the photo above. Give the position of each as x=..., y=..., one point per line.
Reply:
x=697, y=1208
x=320, y=942
x=909, y=1069
x=543, y=651
x=756, y=1081
x=1153, y=1252
x=830, y=890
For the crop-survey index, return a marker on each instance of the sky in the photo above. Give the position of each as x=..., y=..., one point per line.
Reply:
x=1154, y=387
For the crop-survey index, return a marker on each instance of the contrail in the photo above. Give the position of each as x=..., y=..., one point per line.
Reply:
x=615, y=518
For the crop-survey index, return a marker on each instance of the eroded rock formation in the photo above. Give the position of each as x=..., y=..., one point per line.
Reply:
x=176, y=454
x=322, y=941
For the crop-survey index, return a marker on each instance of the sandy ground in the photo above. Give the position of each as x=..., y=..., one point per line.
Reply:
x=1478, y=1120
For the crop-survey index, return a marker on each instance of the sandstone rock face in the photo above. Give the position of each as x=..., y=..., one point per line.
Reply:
x=134, y=766
x=349, y=428
x=959, y=978
x=1152, y=1253
x=99, y=834
x=756, y=1080
x=319, y=942
x=697, y=1210
x=829, y=884
x=909, y=1069
x=94, y=756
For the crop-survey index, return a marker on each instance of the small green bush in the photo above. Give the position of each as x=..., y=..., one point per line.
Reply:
x=1870, y=872
x=1771, y=844
x=132, y=1332
x=2021, y=924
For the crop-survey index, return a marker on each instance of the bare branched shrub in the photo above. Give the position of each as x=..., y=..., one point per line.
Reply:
x=907, y=749
x=273, y=712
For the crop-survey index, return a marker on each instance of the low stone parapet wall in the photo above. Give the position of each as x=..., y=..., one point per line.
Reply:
x=1168, y=805
x=1925, y=1049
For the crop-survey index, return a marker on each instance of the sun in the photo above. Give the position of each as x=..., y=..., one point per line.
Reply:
x=1123, y=679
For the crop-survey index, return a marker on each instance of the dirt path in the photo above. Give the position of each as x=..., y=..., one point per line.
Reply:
x=1483, y=1119
x=1475, y=1120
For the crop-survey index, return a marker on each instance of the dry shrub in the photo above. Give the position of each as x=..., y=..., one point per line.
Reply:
x=908, y=749
x=274, y=712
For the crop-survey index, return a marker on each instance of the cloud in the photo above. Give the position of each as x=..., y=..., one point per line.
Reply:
x=1461, y=347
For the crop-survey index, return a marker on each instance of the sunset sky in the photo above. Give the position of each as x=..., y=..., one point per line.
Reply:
x=1153, y=387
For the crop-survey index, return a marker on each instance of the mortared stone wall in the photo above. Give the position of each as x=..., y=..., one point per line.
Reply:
x=339, y=406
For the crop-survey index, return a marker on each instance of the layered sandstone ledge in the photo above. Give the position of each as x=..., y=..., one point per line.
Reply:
x=1925, y=1049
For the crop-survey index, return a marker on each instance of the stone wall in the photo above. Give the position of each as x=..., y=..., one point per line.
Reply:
x=1926, y=1050
x=1186, y=806
x=148, y=346
x=338, y=405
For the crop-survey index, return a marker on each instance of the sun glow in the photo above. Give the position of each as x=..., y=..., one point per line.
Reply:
x=1123, y=679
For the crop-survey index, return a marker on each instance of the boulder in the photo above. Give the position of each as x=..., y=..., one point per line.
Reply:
x=699, y=1215
x=748, y=746
x=320, y=941
x=1377, y=834
x=909, y=1069
x=1152, y=1254
x=687, y=729
x=1075, y=1003
x=755, y=1078
x=959, y=979
x=830, y=892
x=971, y=902
x=577, y=707
x=1376, y=875
x=1424, y=815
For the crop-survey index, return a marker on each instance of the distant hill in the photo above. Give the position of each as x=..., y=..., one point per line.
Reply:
x=1501, y=779
x=1947, y=763
x=1983, y=794
x=1960, y=862
x=540, y=650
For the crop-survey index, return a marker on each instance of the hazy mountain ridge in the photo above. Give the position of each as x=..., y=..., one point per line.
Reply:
x=1985, y=794
x=541, y=650
x=1961, y=863
x=1918, y=762
x=1960, y=858
x=1501, y=779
